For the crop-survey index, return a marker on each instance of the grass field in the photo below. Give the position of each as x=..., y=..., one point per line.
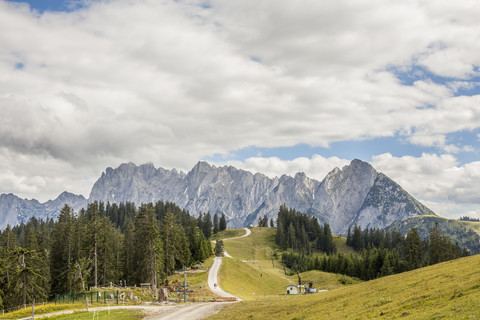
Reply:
x=257, y=246
x=252, y=274
x=113, y=314
x=41, y=309
x=341, y=244
x=197, y=282
x=449, y=290
x=229, y=233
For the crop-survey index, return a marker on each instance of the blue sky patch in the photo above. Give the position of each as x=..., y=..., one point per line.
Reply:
x=363, y=150
x=418, y=73
x=53, y=5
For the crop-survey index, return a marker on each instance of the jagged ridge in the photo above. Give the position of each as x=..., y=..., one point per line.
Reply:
x=355, y=194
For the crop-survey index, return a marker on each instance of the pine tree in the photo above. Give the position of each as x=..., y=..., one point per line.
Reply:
x=413, y=249
x=108, y=251
x=436, y=245
x=61, y=253
x=129, y=254
x=219, y=248
x=172, y=241
x=207, y=225
x=357, y=239
x=223, y=222
x=149, y=256
x=28, y=277
x=216, y=226
x=8, y=245
x=329, y=246
x=349, y=237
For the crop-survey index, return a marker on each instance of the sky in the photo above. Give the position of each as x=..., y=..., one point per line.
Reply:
x=266, y=86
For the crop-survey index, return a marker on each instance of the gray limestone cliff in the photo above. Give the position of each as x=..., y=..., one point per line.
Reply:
x=355, y=194
x=14, y=210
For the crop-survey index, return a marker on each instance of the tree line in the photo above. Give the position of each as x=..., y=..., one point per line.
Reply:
x=119, y=244
x=381, y=253
x=302, y=233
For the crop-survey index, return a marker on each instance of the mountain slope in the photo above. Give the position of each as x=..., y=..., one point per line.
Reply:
x=14, y=210
x=465, y=233
x=448, y=290
x=355, y=194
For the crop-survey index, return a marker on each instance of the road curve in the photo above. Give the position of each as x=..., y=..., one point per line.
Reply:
x=213, y=273
x=247, y=233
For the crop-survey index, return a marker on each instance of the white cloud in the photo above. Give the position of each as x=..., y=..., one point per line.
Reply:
x=432, y=177
x=454, y=210
x=172, y=82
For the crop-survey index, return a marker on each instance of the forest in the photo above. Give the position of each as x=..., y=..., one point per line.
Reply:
x=302, y=233
x=118, y=244
x=379, y=253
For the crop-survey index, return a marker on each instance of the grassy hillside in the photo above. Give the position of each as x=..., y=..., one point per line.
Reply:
x=252, y=274
x=258, y=246
x=341, y=244
x=229, y=233
x=449, y=290
x=465, y=233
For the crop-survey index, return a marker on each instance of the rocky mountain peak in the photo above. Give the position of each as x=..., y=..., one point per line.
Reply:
x=355, y=194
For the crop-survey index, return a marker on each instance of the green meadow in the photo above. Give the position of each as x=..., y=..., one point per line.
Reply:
x=449, y=290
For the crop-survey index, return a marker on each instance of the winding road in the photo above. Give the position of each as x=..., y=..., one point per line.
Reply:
x=213, y=274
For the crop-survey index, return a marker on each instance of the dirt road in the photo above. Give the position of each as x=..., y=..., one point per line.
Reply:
x=191, y=311
x=247, y=233
x=199, y=311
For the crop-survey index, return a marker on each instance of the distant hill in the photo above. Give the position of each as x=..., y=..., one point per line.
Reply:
x=465, y=233
x=355, y=194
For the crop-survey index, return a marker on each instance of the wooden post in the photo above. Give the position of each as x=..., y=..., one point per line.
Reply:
x=86, y=299
x=33, y=311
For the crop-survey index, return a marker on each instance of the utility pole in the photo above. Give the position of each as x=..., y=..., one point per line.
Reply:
x=184, y=283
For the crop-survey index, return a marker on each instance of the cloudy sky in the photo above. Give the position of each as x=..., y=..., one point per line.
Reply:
x=268, y=86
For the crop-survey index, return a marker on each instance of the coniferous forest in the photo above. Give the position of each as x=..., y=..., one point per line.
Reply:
x=118, y=244
x=379, y=253
x=302, y=233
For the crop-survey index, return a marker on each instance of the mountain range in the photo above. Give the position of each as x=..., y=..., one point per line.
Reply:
x=355, y=194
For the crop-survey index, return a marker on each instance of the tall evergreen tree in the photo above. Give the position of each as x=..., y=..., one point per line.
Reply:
x=413, y=249
x=223, y=222
x=216, y=225
x=207, y=225
x=174, y=243
x=61, y=253
x=129, y=254
x=436, y=245
x=149, y=255
x=357, y=239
